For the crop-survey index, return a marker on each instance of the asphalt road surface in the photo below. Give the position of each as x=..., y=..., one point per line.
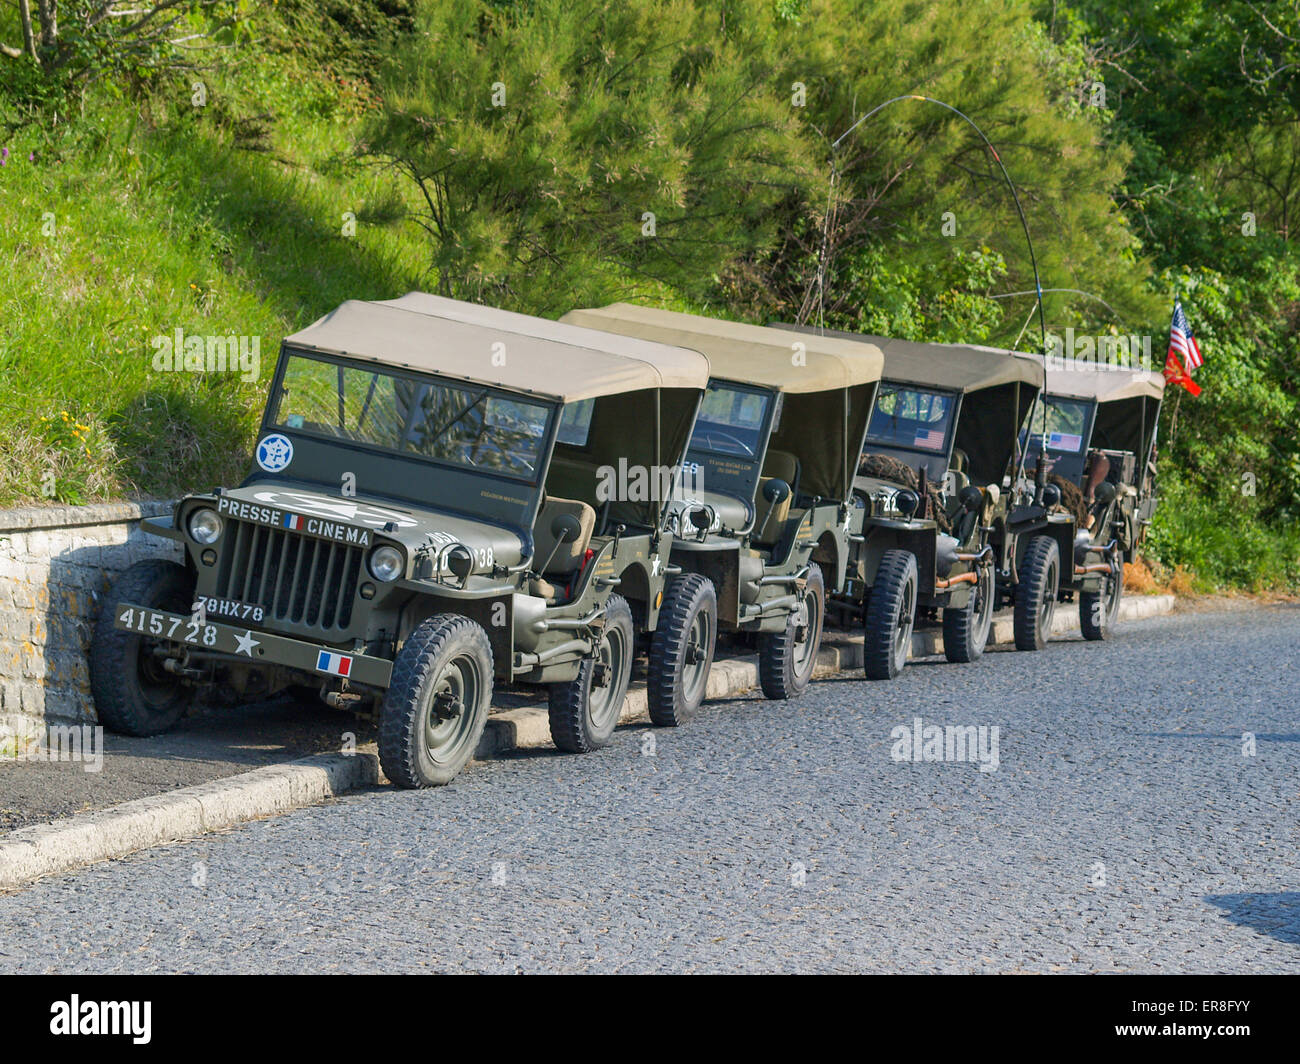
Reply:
x=1130, y=825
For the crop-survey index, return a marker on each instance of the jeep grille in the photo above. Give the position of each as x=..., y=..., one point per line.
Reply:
x=296, y=579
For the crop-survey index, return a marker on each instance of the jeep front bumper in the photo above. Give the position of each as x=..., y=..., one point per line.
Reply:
x=251, y=646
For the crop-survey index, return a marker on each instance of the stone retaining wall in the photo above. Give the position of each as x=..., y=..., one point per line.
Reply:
x=55, y=564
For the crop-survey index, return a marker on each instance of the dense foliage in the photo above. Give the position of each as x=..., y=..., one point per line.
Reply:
x=541, y=154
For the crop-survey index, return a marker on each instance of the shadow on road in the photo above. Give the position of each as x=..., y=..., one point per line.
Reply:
x=1263, y=737
x=1275, y=915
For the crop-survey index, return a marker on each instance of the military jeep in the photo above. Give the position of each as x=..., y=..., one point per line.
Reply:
x=764, y=536
x=407, y=536
x=928, y=531
x=1092, y=446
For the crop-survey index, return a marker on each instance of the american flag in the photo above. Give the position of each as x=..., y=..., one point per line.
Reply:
x=1184, y=352
x=1182, y=340
x=930, y=439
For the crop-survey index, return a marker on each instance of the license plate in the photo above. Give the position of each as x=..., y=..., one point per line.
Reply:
x=220, y=609
x=170, y=626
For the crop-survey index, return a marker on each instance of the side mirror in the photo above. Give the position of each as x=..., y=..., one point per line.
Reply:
x=971, y=498
x=776, y=491
x=700, y=517
x=566, y=528
x=1051, y=495
x=1105, y=493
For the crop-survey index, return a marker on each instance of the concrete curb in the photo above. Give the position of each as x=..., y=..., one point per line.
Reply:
x=46, y=849
x=42, y=850
x=840, y=652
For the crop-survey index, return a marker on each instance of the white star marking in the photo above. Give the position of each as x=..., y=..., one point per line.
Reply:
x=246, y=643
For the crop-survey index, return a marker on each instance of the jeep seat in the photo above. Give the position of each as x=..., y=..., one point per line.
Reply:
x=568, y=556
x=769, y=519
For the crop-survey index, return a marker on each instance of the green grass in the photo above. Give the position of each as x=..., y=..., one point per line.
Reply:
x=138, y=218
x=1222, y=543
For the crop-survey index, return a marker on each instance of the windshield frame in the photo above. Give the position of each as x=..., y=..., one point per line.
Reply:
x=870, y=443
x=765, y=428
x=1032, y=440
x=271, y=415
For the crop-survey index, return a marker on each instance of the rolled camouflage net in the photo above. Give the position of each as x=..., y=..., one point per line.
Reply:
x=1071, y=499
x=882, y=467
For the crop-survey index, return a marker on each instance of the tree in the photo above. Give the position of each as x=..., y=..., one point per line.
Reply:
x=109, y=34
x=570, y=152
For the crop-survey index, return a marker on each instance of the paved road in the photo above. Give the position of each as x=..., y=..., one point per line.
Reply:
x=1124, y=830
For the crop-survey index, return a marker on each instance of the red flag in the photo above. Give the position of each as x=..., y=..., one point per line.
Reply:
x=1174, y=374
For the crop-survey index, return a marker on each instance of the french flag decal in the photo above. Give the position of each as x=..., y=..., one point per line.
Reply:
x=293, y=522
x=334, y=664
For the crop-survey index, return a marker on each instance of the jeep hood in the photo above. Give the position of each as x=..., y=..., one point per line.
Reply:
x=359, y=520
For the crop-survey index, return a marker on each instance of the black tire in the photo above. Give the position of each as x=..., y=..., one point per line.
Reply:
x=1036, y=591
x=132, y=693
x=681, y=653
x=585, y=711
x=966, y=630
x=786, y=659
x=1098, y=610
x=446, y=665
x=890, y=616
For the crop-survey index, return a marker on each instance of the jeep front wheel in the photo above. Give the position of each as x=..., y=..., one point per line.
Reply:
x=133, y=693
x=1036, y=591
x=786, y=659
x=1098, y=610
x=585, y=711
x=681, y=653
x=966, y=630
x=433, y=714
x=891, y=613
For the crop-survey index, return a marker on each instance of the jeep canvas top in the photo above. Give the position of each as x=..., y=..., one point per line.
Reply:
x=775, y=447
x=413, y=527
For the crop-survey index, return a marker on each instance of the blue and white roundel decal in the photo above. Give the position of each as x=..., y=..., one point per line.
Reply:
x=274, y=452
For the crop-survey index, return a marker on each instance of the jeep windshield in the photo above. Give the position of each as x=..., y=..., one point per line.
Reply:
x=465, y=425
x=914, y=419
x=731, y=421
x=1064, y=423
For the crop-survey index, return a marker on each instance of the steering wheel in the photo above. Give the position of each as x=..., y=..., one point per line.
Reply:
x=742, y=448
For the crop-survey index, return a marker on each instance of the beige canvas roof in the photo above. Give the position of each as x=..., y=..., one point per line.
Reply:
x=1103, y=382
x=752, y=354
x=956, y=367
x=454, y=339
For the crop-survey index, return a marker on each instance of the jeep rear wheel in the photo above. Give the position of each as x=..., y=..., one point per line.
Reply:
x=1040, y=580
x=966, y=629
x=585, y=711
x=786, y=659
x=133, y=693
x=682, y=650
x=433, y=713
x=1098, y=610
x=891, y=613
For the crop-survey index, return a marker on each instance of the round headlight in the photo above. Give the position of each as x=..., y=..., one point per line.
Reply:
x=205, y=525
x=386, y=563
x=906, y=502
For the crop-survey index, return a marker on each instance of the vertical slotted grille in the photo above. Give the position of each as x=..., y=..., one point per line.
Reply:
x=295, y=579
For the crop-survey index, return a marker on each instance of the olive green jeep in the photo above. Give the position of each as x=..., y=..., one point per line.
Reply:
x=421, y=520
x=929, y=529
x=1092, y=446
x=764, y=536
